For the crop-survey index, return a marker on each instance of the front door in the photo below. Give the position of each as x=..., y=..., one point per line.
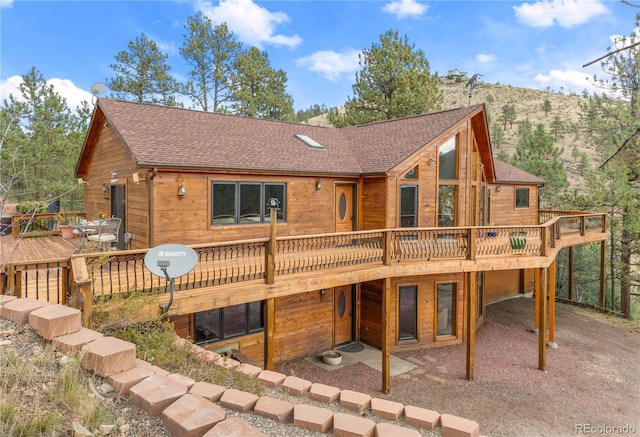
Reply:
x=118, y=209
x=345, y=216
x=343, y=310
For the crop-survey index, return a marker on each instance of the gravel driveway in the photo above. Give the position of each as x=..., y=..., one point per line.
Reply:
x=591, y=385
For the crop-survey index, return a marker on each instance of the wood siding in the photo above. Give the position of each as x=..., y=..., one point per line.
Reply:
x=304, y=325
x=371, y=311
x=503, y=205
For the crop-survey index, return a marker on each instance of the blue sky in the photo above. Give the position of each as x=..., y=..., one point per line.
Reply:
x=532, y=44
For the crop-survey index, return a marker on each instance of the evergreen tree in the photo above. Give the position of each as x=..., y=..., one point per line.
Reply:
x=259, y=90
x=211, y=53
x=394, y=81
x=142, y=74
x=557, y=128
x=37, y=123
x=536, y=153
x=497, y=135
x=508, y=115
x=546, y=106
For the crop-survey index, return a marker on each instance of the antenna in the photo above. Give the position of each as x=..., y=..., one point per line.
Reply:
x=96, y=89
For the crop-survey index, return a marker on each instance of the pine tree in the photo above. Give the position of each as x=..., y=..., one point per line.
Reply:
x=536, y=153
x=211, y=53
x=142, y=74
x=394, y=81
x=37, y=123
x=259, y=90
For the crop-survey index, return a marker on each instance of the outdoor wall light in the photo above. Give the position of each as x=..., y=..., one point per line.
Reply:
x=431, y=161
x=114, y=177
x=104, y=187
x=499, y=188
x=318, y=184
x=323, y=291
x=182, y=191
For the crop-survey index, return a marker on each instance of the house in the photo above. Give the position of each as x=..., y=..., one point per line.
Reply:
x=182, y=176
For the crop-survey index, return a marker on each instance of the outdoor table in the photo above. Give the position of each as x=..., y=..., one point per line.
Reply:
x=84, y=229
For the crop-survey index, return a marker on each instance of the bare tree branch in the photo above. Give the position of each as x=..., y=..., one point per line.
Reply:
x=611, y=53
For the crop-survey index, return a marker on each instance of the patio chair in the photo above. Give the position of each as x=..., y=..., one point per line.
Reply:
x=107, y=234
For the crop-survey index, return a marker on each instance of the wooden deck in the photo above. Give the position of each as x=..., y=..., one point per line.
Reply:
x=16, y=250
x=43, y=267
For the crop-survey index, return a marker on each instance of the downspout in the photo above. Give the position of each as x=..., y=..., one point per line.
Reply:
x=154, y=173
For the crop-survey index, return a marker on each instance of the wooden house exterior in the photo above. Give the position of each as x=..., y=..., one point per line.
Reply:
x=188, y=177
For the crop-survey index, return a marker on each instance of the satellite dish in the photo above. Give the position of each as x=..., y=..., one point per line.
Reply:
x=97, y=88
x=170, y=260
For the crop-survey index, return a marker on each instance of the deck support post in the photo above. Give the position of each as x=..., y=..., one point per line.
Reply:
x=603, y=288
x=552, y=301
x=541, y=291
x=570, y=275
x=82, y=286
x=271, y=250
x=386, y=335
x=472, y=293
x=269, y=327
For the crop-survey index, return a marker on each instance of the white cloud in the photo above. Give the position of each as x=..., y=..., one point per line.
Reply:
x=6, y=3
x=64, y=87
x=484, y=58
x=569, y=80
x=405, y=9
x=331, y=65
x=251, y=23
x=566, y=13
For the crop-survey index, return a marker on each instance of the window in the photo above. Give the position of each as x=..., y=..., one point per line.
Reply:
x=447, y=205
x=228, y=322
x=522, y=198
x=446, y=304
x=245, y=202
x=448, y=182
x=408, y=206
x=408, y=313
x=411, y=174
x=448, y=162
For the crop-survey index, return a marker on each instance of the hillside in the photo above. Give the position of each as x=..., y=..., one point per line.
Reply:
x=529, y=105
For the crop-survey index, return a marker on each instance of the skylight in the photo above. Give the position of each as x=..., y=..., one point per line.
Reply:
x=309, y=141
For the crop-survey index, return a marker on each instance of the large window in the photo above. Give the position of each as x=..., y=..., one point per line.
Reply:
x=234, y=321
x=408, y=206
x=448, y=182
x=447, y=205
x=446, y=304
x=245, y=202
x=448, y=159
x=522, y=198
x=408, y=313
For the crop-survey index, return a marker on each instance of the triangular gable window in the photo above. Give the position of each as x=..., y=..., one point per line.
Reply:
x=310, y=142
x=411, y=174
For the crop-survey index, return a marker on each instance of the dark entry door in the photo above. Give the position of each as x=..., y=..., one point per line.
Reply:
x=118, y=209
x=344, y=311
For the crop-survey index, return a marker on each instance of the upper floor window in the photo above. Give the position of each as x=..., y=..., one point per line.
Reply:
x=245, y=202
x=408, y=206
x=448, y=159
x=411, y=174
x=522, y=198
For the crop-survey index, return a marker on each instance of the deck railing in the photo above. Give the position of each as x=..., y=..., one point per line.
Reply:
x=225, y=263
x=41, y=225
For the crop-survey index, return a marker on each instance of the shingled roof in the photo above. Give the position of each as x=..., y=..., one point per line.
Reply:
x=509, y=174
x=158, y=136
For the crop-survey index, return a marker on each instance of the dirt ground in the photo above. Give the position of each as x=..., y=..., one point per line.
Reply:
x=591, y=385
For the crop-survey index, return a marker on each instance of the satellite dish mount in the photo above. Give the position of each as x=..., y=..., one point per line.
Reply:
x=170, y=261
x=96, y=89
